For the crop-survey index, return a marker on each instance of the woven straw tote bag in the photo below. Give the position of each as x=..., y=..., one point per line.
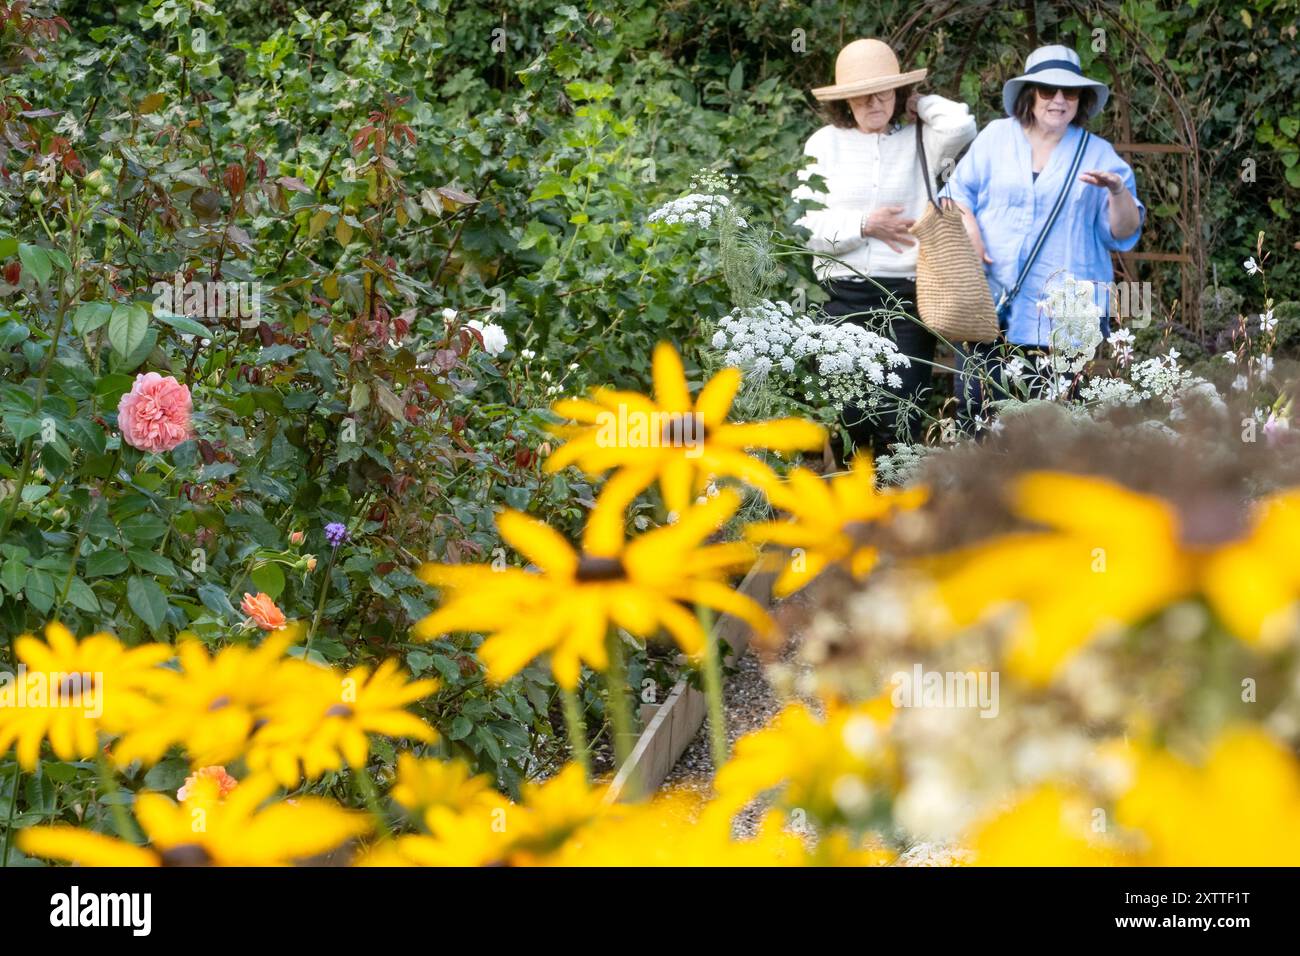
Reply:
x=952, y=294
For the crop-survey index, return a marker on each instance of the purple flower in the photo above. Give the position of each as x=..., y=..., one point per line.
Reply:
x=336, y=533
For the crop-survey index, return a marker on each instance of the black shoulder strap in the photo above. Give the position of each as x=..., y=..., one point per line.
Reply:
x=1009, y=295
x=925, y=167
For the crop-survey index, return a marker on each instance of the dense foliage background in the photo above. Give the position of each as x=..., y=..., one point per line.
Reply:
x=373, y=164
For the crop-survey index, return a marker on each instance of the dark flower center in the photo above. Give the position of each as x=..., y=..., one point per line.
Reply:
x=222, y=701
x=592, y=569
x=1211, y=520
x=682, y=430
x=339, y=710
x=74, y=685
x=859, y=530
x=187, y=854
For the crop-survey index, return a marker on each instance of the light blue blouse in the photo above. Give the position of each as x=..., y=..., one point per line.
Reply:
x=995, y=181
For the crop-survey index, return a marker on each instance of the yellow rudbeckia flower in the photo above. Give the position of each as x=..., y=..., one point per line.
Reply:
x=670, y=438
x=567, y=608
x=825, y=767
x=67, y=690
x=1047, y=826
x=320, y=718
x=475, y=837
x=1240, y=808
x=206, y=830
x=676, y=829
x=828, y=518
x=1112, y=557
x=550, y=812
x=215, y=705
x=423, y=784
x=490, y=830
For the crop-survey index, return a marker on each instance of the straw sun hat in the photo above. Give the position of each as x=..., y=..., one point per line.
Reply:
x=866, y=66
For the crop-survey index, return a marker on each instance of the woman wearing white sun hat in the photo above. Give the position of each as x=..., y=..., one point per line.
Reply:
x=874, y=192
x=1007, y=186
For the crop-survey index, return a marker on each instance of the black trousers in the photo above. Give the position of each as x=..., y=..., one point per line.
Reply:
x=982, y=379
x=897, y=420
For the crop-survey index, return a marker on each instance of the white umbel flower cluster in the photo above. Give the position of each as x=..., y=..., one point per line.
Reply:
x=830, y=362
x=695, y=209
x=1076, y=325
x=1159, y=377
x=902, y=466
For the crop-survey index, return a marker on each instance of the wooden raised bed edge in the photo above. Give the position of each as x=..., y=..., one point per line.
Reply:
x=679, y=718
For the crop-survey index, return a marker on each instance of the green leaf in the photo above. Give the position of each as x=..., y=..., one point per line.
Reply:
x=13, y=575
x=460, y=728
x=147, y=600
x=39, y=590
x=90, y=316
x=110, y=388
x=484, y=736
x=550, y=187
x=216, y=601
x=516, y=498
x=106, y=562
x=143, y=528
x=152, y=562
x=268, y=579
x=183, y=323
x=127, y=328
x=36, y=261
x=81, y=596
x=218, y=470
x=321, y=367
x=11, y=333
x=419, y=661
x=169, y=775
x=736, y=81
x=22, y=426
x=34, y=493
x=58, y=771
x=275, y=353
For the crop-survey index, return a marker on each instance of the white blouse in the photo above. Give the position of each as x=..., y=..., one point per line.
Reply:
x=864, y=171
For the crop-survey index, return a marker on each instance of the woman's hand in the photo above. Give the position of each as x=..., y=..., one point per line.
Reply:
x=1097, y=177
x=973, y=231
x=887, y=224
x=911, y=106
x=1123, y=213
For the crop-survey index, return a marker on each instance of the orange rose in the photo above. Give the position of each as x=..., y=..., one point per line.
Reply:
x=262, y=611
x=225, y=782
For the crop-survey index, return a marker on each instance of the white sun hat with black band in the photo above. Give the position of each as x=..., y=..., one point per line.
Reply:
x=1053, y=66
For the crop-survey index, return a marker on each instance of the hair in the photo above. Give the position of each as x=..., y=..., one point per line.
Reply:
x=1024, y=110
x=839, y=113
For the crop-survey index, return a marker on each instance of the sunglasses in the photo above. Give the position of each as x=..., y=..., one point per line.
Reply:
x=1049, y=92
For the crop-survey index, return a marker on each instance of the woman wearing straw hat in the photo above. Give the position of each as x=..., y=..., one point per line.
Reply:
x=1020, y=169
x=874, y=191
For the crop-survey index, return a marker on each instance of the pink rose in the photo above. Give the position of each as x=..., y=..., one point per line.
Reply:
x=155, y=415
